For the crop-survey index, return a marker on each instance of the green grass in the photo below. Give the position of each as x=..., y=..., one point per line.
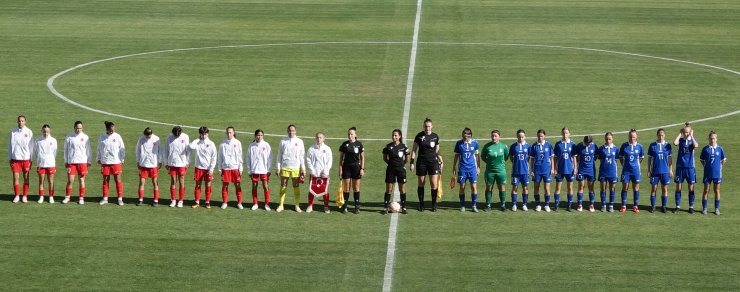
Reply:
x=330, y=87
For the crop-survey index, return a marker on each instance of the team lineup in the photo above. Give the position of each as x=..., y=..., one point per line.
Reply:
x=541, y=162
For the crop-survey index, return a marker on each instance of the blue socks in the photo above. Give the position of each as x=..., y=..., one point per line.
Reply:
x=678, y=198
x=591, y=198
x=652, y=201
x=462, y=200
x=636, y=198
x=663, y=201
x=612, y=197
x=475, y=200
x=624, y=198
x=692, y=197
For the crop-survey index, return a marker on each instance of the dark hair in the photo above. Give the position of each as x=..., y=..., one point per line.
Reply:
x=291, y=125
x=176, y=131
x=21, y=116
x=609, y=134
x=520, y=131
x=232, y=128
x=258, y=131
x=499, y=133
x=563, y=129
x=109, y=125
x=659, y=130
x=541, y=131
x=588, y=139
x=203, y=130
x=77, y=123
x=712, y=132
x=632, y=131
x=427, y=119
x=467, y=131
x=353, y=129
x=148, y=131
x=399, y=133
x=45, y=126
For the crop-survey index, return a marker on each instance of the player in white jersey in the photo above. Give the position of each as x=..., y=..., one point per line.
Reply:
x=111, y=154
x=148, y=161
x=177, y=160
x=319, y=160
x=291, y=165
x=205, y=163
x=259, y=161
x=45, y=150
x=230, y=166
x=19, y=156
x=77, y=160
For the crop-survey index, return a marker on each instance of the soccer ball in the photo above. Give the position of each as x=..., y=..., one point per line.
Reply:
x=395, y=207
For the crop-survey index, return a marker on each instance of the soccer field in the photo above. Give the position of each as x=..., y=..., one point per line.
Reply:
x=327, y=65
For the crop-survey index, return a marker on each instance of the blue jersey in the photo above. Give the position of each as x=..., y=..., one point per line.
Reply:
x=712, y=158
x=563, y=156
x=631, y=155
x=661, y=154
x=607, y=155
x=467, y=151
x=519, y=154
x=685, y=157
x=541, y=154
x=585, y=156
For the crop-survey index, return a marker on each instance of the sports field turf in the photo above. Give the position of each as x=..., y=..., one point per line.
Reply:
x=326, y=65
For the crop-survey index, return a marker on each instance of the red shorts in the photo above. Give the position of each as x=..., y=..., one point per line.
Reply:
x=108, y=169
x=20, y=165
x=77, y=168
x=181, y=171
x=261, y=177
x=231, y=176
x=146, y=172
x=46, y=170
x=202, y=174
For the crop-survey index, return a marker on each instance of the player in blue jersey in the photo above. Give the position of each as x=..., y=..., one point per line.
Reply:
x=584, y=154
x=685, y=170
x=467, y=160
x=660, y=163
x=541, y=167
x=607, y=155
x=519, y=153
x=713, y=159
x=630, y=155
x=564, y=166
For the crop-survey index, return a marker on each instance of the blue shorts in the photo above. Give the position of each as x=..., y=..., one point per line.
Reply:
x=588, y=177
x=471, y=176
x=716, y=180
x=559, y=177
x=520, y=179
x=634, y=178
x=542, y=178
x=685, y=174
x=612, y=179
x=662, y=178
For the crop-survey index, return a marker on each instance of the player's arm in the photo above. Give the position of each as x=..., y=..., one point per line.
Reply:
x=455, y=161
x=439, y=157
x=339, y=166
x=678, y=138
x=362, y=163
x=413, y=155
x=552, y=164
x=477, y=161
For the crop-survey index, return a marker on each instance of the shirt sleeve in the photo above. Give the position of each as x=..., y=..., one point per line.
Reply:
x=122, y=150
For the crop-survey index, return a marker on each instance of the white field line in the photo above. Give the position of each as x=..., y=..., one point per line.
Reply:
x=390, y=256
x=52, y=79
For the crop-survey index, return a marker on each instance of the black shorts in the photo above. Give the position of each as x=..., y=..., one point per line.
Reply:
x=424, y=168
x=351, y=171
x=395, y=175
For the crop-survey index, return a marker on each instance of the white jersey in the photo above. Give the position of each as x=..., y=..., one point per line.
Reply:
x=177, y=151
x=148, y=152
x=77, y=149
x=319, y=160
x=291, y=154
x=45, y=150
x=205, y=154
x=111, y=149
x=230, y=155
x=20, y=144
x=259, y=158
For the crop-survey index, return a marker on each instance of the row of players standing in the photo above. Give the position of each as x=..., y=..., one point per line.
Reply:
x=565, y=161
x=568, y=161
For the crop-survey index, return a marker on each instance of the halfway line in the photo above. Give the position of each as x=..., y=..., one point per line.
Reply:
x=393, y=229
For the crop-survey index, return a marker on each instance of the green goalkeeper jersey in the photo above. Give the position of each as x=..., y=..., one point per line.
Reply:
x=495, y=157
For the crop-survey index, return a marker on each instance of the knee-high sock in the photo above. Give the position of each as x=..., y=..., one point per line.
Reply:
x=297, y=195
x=239, y=195
x=119, y=189
x=692, y=197
x=624, y=198
x=462, y=200
x=141, y=194
x=106, y=189
x=579, y=198
x=68, y=191
x=17, y=189
x=209, y=193
x=254, y=196
x=489, y=197
x=663, y=201
x=197, y=192
x=652, y=201
x=283, y=191
x=225, y=193
x=356, y=196
x=474, y=200
x=267, y=197
x=345, y=195
x=591, y=198
x=173, y=193
x=25, y=189
x=678, y=199
x=386, y=200
x=636, y=198
x=547, y=200
x=557, y=199
x=603, y=198
x=434, y=197
x=310, y=200
x=182, y=193
x=420, y=193
x=41, y=192
x=156, y=195
x=502, y=197
x=403, y=200
x=612, y=197
x=82, y=192
x=326, y=201
x=525, y=199
x=537, y=199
